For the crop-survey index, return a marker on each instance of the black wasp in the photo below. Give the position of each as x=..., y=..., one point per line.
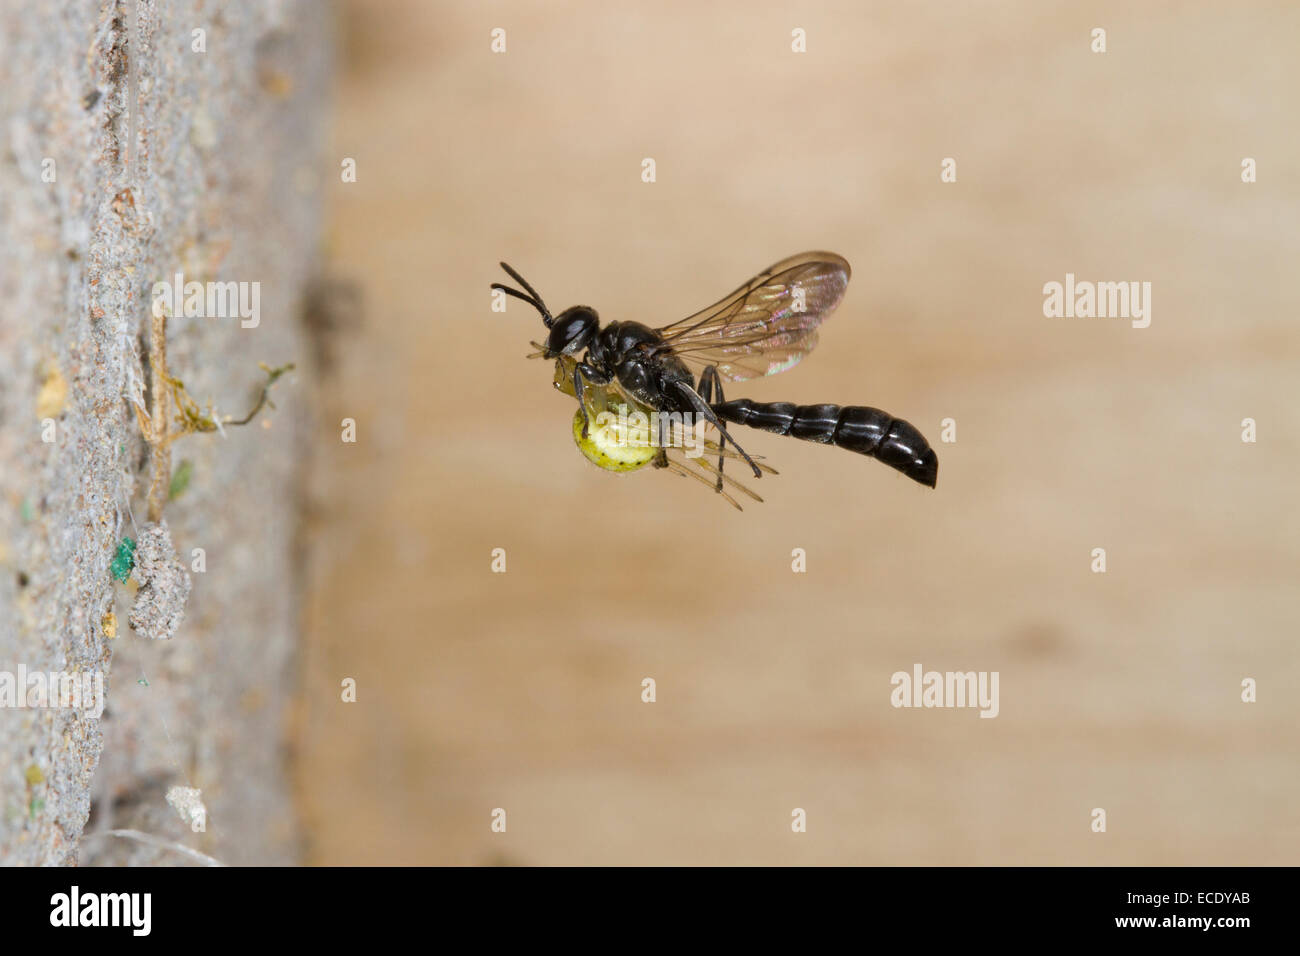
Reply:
x=764, y=327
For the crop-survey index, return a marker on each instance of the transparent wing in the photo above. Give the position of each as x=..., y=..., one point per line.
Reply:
x=768, y=324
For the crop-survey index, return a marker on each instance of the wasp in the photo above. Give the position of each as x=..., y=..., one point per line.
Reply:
x=766, y=326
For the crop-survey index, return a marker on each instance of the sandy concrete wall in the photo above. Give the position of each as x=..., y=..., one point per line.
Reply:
x=133, y=148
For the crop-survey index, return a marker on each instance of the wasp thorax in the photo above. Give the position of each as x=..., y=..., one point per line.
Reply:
x=572, y=331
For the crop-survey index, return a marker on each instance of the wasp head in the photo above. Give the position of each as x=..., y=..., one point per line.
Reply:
x=572, y=331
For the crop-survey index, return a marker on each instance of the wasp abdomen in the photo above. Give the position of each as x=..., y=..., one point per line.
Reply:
x=867, y=431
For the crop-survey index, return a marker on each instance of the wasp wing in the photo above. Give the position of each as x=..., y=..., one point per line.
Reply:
x=768, y=324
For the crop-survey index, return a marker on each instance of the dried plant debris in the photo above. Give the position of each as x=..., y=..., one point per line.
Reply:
x=164, y=585
x=191, y=418
x=188, y=803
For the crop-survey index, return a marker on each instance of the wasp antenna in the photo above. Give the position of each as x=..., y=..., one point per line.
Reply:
x=546, y=316
x=536, y=299
x=516, y=293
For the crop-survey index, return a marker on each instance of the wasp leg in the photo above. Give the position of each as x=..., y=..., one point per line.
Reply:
x=596, y=378
x=661, y=457
x=711, y=382
x=693, y=397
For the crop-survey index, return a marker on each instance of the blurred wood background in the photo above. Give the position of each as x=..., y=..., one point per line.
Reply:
x=522, y=690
